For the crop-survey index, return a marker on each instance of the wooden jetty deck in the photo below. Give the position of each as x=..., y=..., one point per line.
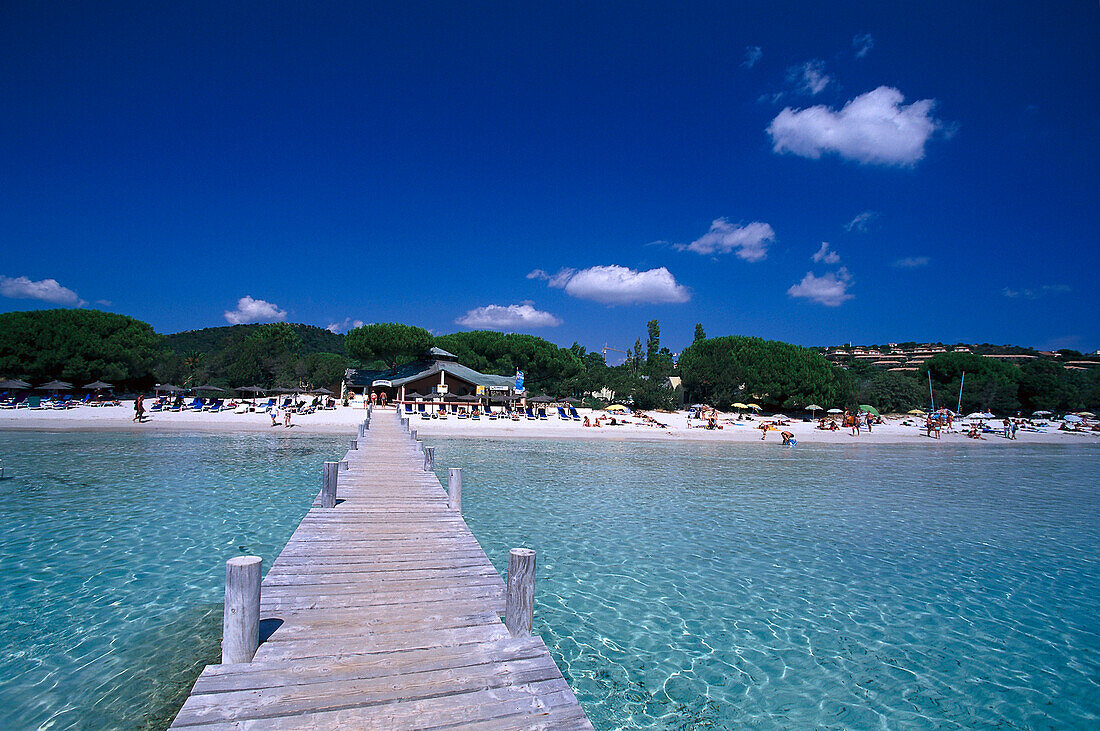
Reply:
x=388, y=616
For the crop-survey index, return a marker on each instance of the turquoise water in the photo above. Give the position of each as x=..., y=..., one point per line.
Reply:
x=680, y=585
x=706, y=586
x=113, y=549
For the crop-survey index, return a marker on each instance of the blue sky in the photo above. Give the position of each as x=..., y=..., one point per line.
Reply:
x=558, y=169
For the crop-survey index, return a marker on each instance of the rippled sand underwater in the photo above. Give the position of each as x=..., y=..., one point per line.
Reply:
x=113, y=548
x=696, y=586
x=679, y=585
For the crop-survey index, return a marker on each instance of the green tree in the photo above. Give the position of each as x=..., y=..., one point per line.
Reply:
x=77, y=345
x=990, y=384
x=391, y=342
x=733, y=368
x=546, y=367
x=653, y=342
x=700, y=334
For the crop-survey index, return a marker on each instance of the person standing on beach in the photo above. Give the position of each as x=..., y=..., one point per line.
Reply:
x=868, y=422
x=139, y=409
x=373, y=398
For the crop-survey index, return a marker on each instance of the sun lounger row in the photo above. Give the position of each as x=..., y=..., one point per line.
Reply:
x=430, y=411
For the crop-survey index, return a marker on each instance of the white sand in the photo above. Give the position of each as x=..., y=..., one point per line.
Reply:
x=344, y=419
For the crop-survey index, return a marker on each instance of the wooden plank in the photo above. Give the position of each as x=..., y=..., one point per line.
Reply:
x=388, y=616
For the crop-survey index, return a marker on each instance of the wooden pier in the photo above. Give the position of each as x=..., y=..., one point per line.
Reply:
x=386, y=613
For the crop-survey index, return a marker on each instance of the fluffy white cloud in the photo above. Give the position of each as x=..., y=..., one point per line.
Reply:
x=912, y=262
x=347, y=324
x=752, y=55
x=507, y=317
x=616, y=285
x=824, y=255
x=46, y=290
x=750, y=242
x=830, y=290
x=863, y=43
x=872, y=128
x=810, y=77
x=252, y=310
x=861, y=222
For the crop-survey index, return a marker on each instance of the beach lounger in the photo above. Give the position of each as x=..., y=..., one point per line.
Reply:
x=35, y=403
x=562, y=415
x=542, y=414
x=530, y=414
x=408, y=408
x=196, y=405
x=573, y=413
x=19, y=402
x=490, y=414
x=215, y=406
x=475, y=416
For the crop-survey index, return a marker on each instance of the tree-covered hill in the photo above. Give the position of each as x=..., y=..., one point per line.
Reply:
x=210, y=340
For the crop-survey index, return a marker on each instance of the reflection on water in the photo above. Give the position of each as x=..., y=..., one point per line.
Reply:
x=113, y=548
x=697, y=585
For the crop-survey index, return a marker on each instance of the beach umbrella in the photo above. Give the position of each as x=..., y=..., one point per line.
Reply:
x=14, y=383
x=209, y=388
x=869, y=409
x=321, y=392
x=835, y=411
x=541, y=400
x=740, y=405
x=917, y=412
x=166, y=388
x=755, y=407
x=1072, y=418
x=249, y=389
x=616, y=407
x=284, y=390
x=570, y=400
x=813, y=409
x=412, y=395
x=781, y=417
x=980, y=415
x=55, y=386
x=1041, y=412
x=1089, y=414
x=97, y=386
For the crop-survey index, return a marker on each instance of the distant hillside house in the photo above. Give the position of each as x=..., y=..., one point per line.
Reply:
x=437, y=373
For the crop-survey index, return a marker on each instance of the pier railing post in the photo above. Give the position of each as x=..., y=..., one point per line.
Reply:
x=454, y=488
x=412, y=434
x=241, y=621
x=344, y=467
x=329, y=479
x=429, y=459
x=519, y=601
x=361, y=428
x=354, y=444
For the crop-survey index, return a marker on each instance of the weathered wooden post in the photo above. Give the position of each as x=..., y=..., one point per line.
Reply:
x=454, y=488
x=241, y=621
x=329, y=478
x=519, y=601
x=361, y=427
x=354, y=444
x=344, y=467
x=418, y=445
x=412, y=433
x=429, y=459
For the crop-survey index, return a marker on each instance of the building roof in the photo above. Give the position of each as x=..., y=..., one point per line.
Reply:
x=418, y=369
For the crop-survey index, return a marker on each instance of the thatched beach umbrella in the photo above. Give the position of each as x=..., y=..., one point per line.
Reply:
x=56, y=386
x=541, y=400
x=321, y=392
x=835, y=411
x=166, y=388
x=97, y=386
x=814, y=408
x=14, y=383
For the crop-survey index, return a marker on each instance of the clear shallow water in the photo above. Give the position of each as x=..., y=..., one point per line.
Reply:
x=112, y=548
x=700, y=586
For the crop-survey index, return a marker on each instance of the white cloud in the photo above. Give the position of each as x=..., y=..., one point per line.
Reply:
x=616, y=285
x=555, y=280
x=861, y=222
x=750, y=241
x=872, y=128
x=46, y=290
x=1036, y=293
x=507, y=317
x=810, y=77
x=912, y=262
x=863, y=43
x=824, y=255
x=830, y=290
x=347, y=324
x=252, y=310
x=752, y=55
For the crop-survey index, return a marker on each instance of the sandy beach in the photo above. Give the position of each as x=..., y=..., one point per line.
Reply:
x=343, y=420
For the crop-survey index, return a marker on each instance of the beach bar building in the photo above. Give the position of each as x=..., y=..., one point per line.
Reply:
x=436, y=374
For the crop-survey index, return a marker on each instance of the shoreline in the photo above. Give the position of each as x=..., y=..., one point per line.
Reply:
x=344, y=419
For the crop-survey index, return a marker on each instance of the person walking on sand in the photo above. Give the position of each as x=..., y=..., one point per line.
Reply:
x=373, y=398
x=139, y=409
x=286, y=418
x=868, y=422
x=1015, y=426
